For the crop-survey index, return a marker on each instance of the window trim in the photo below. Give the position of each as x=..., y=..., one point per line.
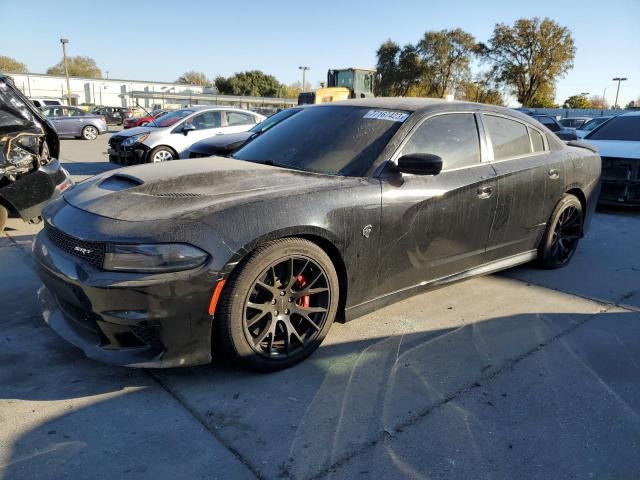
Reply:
x=491, y=158
x=414, y=129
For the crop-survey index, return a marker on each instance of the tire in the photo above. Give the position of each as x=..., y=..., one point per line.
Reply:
x=4, y=214
x=90, y=132
x=562, y=235
x=161, y=154
x=261, y=344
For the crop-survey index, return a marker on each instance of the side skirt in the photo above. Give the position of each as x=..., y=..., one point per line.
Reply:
x=356, y=311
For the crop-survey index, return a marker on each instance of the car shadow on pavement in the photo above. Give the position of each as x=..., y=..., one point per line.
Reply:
x=529, y=395
x=88, y=168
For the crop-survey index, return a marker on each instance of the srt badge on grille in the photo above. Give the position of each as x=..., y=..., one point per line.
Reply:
x=83, y=251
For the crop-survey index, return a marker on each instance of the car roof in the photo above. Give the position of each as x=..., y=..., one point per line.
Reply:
x=423, y=105
x=577, y=118
x=629, y=114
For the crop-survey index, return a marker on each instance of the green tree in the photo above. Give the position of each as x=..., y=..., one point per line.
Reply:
x=545, y=97
x=10, y=65
x=78, y=67
x=529, y=55
x=194, y=78
x=445, y=58
x=252, y=83
x=481, y=91
x=577, y=101
x=387, y=69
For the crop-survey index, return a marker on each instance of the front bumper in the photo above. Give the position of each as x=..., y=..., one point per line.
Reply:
x=133, y=155
x=33, y=191
x=135, y=320
x=620, y=181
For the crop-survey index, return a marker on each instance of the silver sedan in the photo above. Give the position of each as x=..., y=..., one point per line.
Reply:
x=73, y=122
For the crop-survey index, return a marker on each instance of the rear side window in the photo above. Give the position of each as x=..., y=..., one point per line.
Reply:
x=236, y=118
x=509, y=138
x=453, y=137
x=536, y=140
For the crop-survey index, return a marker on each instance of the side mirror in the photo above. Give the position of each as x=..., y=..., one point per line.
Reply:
x=188, y=127
x=420, y=164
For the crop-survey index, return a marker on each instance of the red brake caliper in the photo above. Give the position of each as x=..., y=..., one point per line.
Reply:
x=303, y=301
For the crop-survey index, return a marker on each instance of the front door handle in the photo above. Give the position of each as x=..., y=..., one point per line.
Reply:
x=553, y=173
x=485, y=192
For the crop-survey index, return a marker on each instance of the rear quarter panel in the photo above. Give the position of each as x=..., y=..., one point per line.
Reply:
x=583, y=168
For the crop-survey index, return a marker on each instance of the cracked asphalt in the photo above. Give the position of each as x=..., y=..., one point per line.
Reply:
x=523, y=374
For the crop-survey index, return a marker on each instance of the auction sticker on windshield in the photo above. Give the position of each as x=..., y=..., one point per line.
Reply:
x=387, y=115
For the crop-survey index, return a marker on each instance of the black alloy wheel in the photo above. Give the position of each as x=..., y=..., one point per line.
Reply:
x=277, y=306
x=287, y=307
x=563, y=233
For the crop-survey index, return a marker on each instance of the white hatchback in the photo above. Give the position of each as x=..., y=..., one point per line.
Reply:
x=170, y=136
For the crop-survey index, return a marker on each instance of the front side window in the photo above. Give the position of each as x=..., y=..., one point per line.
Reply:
x=453, y=137
x=508, y=137
x=206, y=120
x=625, y=127
x=330, y=139
x=237, y=118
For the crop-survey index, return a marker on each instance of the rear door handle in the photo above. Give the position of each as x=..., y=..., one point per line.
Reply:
x=485, y=192
x=553, y=173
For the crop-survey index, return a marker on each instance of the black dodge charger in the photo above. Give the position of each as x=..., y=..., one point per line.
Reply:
x=339, y=210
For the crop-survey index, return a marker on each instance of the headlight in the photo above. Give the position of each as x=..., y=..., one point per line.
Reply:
x=141, y=137
x=153, y=258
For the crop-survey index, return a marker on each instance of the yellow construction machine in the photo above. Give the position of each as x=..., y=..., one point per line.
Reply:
x=342, y=84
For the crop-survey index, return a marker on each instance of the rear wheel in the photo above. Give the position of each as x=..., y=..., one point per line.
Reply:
x=90, y=132
x=161, y=154
x=562, y=235
x=278, y=306
x=4, y=214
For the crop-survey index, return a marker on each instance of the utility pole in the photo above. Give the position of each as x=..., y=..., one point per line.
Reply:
x=617, y=79
x=64, y=42
x=304, y=77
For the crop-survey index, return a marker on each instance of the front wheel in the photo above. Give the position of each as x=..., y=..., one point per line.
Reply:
x=90, y=132
x=560, y=239
x=278, y=306
x=161, y=154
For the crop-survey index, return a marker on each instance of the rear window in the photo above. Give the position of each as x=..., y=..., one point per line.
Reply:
x=509, y=138
x=548, y=122
x=625, y=127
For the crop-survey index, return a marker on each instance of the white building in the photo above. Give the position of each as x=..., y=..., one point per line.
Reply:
x=107, y=92
x=129, y=93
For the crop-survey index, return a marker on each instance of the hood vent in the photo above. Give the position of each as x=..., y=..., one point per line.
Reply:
x=175, y=194
x=120, y=181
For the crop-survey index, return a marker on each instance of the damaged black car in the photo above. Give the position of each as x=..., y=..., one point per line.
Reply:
x=339, y=210
x=30, y=176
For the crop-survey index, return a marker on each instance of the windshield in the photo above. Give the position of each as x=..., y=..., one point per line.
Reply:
x=274, y=119
x=624, y=127
x=591, y=124
x=170, y=118
x=336, y=140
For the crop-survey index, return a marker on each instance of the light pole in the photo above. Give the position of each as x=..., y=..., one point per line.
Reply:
x=304, y=77
x=64, y=42
x=617, y=79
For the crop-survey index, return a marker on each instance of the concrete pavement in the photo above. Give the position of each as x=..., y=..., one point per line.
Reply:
x=525, y=374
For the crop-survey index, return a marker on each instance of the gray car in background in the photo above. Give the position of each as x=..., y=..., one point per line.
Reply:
x=73, y=122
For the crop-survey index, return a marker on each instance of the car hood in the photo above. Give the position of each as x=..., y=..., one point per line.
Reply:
x=616, y=148
x=220, y=141
x=134, y=131
x=190, y=188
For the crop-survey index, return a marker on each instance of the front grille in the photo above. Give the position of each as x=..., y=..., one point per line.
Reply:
x=116, y=140
x=620, y=180
x=90, y=252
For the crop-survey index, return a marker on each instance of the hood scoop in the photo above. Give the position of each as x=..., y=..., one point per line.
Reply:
x=176, y=194
x=120, y=181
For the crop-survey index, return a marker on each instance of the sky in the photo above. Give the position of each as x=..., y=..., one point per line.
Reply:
x=159, y=40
